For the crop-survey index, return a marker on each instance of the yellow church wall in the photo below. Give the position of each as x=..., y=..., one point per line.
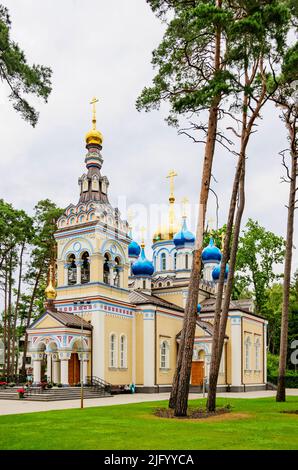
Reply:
x=90, y=290
x=176, y=299
x=96, y=268
x=228, y=350
x=48, y=322
x=167, y=328
x=139, y=349
x=118, y=325
x=253, y=329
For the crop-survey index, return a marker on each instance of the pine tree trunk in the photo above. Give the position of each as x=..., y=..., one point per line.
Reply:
x=281, y=386
x=221, y=311
x=23, y=370
x=180, y=388
x=216, y=356
x=14, y=337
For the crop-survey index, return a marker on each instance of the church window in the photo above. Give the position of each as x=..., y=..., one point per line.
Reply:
x=82, y=219
x=163, y=262
x=113, y=351
x=257, y=354
x=91, y=216
x=164, y=355
x=123, y=352
x=106, y=269
x=95, y=184
x=175, y=261
x=168, y=284
x=85, y=185
x=247, y=353
x=186, y=261
x=85, y=269
x=117, y=269
x=144, y=284
x=72, y=270
x=72, y=221
x=160, y=284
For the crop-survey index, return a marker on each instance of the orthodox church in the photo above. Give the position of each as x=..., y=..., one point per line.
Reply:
x=115, y=315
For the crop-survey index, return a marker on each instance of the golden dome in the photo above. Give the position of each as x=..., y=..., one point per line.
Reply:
x=94, y=137
x=166, y=232
x=50, y=290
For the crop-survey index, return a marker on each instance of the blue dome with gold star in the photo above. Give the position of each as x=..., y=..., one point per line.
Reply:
x=184, y=236
x=134, y=249
x=211, y=254
x=216, y=272
x=142, y=267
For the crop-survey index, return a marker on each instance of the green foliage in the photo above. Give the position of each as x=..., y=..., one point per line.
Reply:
x=258, y=254
x=272, y=364
x=184, y=60
x=21, y=78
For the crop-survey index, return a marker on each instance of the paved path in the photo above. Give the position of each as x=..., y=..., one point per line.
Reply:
x=8, y=407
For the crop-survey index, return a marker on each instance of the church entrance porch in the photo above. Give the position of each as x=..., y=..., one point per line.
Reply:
x=74, y=369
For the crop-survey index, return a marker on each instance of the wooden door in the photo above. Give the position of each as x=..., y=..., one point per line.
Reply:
x=197, y=373
x=73, y=369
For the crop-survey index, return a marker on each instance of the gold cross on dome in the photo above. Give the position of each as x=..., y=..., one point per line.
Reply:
x=143, y=230
x=93, y=102
x=210, y=225
x=184, y=203
x=172, y=174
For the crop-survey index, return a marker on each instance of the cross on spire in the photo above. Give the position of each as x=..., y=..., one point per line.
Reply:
x=93, y=102
x=172, y=174
x=184, y=203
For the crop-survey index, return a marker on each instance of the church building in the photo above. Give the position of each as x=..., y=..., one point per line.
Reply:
x=114, y=315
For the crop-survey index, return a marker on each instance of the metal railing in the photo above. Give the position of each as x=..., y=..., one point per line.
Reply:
x=98, y=384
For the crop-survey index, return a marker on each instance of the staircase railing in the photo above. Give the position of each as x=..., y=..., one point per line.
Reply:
x=98, y=384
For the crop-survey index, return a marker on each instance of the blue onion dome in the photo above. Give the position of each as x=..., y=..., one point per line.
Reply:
x=184, y=236
x=142, y=267
x=216, y=272
x=211, y=254
x=199, y=308
x=134, y=249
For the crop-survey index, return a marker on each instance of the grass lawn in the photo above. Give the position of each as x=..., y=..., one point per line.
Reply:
x=253, y=424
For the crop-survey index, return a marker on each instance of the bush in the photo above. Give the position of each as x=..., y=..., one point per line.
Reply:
x=59, y=385
x=291, y=380
x=12, y=384
x=272, y=364
x=49, y=386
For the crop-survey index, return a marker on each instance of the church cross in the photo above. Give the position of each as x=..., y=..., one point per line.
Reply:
x=172, y=174
x=184, y=203
x=93, y=102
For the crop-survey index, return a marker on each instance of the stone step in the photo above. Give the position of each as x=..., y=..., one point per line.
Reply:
x=66, y=393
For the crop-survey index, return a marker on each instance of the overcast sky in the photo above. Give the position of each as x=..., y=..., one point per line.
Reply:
x=103, y=48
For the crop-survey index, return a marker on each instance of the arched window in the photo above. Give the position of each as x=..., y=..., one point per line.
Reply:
x=106, y=269
x=72, y=270
x=175, y=261
x=144, y=284
x=164, y=355
x=117, y=269
x=257, y=354
x=123, y=352
x=163, y=262
x=168, y=284
x=113, y=351
x=247, y=353
x=85, y=269
x=186, y=261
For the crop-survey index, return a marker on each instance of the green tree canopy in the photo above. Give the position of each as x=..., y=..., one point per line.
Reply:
x=21, y=78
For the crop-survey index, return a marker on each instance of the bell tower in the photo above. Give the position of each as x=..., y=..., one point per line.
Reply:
x=92, y=237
